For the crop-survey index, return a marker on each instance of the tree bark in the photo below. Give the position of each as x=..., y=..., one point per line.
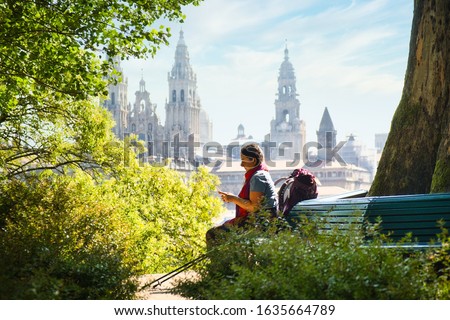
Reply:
x=416, y=158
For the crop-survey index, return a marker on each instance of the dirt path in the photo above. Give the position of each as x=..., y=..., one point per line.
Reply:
x=161, y=292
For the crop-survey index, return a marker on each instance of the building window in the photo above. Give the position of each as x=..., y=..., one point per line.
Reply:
x=182, y=95
x=133, y=128
x=174, y=96
x=113, y=98
x=286, y=116
x=329, y=140
x=241, y=131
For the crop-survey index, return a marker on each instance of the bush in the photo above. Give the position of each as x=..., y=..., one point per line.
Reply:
x=171, y=212
x=73, y=237
x=61, y=238
x=309, y=265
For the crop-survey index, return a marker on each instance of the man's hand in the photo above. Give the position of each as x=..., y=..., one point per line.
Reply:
x=226, y=196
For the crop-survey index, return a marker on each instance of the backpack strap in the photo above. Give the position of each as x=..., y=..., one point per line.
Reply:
x=279, y=180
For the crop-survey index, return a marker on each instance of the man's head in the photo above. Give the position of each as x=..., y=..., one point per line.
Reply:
x=251, y=155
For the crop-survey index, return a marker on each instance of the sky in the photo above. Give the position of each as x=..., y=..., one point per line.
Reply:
x=348, y=56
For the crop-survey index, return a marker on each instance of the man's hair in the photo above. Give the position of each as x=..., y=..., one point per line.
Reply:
x=252, y=150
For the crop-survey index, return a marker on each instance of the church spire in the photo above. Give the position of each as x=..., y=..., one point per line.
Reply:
x=326, y=135
x=182, y=67
x=142, y=82
x=286, y=78
x=181, y=39
x=326, y=124
x=286, y=52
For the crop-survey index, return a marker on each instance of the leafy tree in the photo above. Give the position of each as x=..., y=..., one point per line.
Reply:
x=52, y=74
x=70, y=236
x=416, y=158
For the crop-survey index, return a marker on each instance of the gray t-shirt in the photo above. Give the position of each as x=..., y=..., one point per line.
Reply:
x=262, y=182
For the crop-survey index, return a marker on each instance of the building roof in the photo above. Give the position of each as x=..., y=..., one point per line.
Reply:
x=326, y=124
x=286, y=68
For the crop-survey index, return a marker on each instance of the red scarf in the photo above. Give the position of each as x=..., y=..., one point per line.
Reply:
x=245, y=192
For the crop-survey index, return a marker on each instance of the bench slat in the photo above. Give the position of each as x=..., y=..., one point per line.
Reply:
x=410, y=218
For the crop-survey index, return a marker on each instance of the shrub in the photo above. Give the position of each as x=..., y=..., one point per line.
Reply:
x=307, y=265
x=73, y=237
x=61, y=238
x=171, y=212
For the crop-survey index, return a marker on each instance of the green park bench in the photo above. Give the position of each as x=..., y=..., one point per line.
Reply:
x=420, y=215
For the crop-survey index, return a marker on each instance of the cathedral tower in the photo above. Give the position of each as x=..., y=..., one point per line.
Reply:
x=117, y=102
x=183, y=109
x=287, y=130
x=144, y=122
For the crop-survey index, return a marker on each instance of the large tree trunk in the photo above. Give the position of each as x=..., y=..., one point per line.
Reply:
x=416, y=158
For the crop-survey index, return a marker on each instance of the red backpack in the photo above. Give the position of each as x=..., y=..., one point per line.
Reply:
x=300, y=185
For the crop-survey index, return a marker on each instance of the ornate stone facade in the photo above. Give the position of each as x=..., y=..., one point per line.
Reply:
x=144, y=122
x=287, y=131
x=185, y=122
x=117, y=103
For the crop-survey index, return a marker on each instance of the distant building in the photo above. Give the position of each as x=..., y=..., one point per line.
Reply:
x=206, y=127
x=144, y=122
x=184, y=115
x=326, y=137
x=233, y=149
x=380, y=141
x=117, y=103
x=350, y=165
x=186, y=121
x=241, y=136
x=287, y=131
x=349, y=177
x=356, y=153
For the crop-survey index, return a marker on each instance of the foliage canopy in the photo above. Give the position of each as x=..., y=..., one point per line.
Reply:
x=52, y=75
